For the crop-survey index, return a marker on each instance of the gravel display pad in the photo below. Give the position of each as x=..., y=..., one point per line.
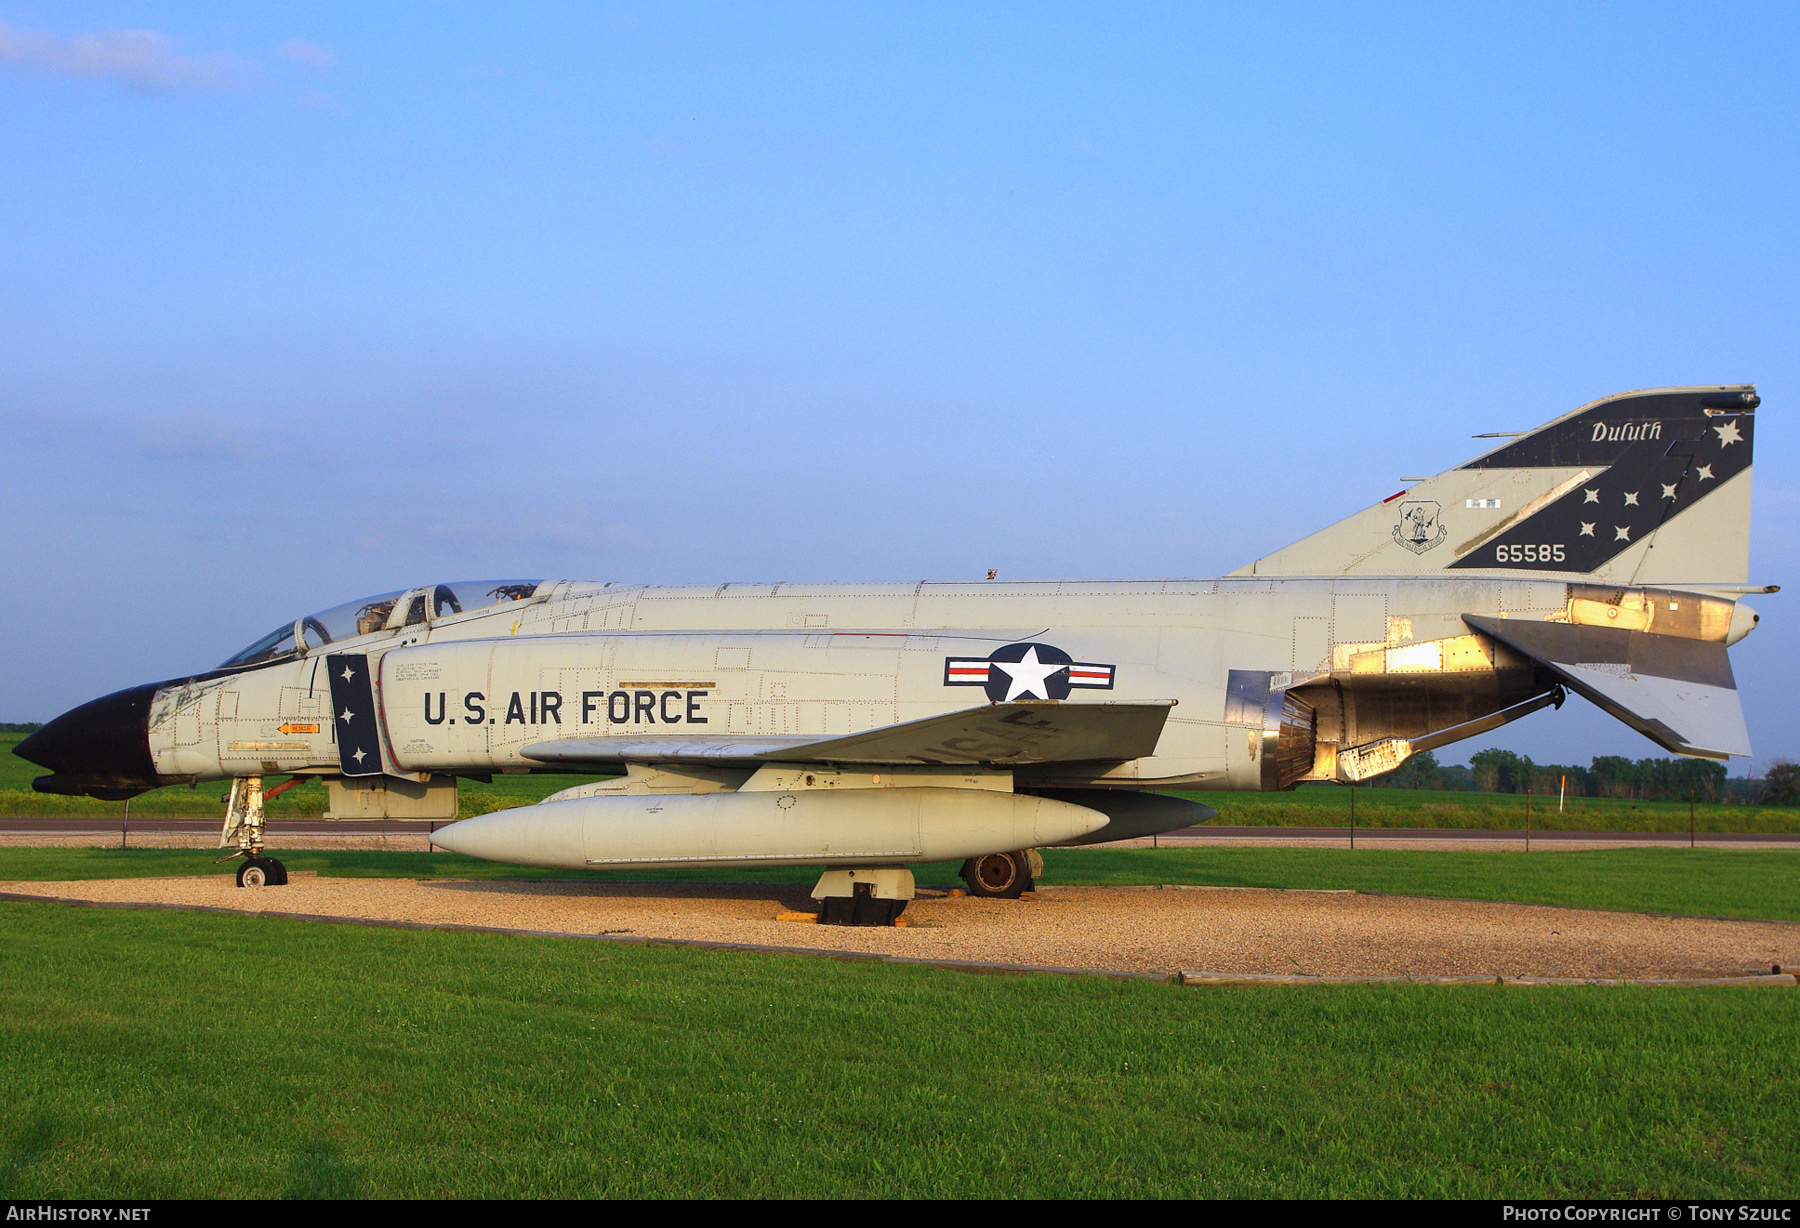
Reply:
x=1156, y=930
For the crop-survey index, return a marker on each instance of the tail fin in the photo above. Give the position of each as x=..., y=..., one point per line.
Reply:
x=1647, y=487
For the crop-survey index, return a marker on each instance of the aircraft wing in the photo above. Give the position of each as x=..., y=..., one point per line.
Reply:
x=1679, y=693
x=1006, y=734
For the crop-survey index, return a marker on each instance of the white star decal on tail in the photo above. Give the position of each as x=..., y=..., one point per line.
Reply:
x=1028, y=676
x=1705, y=472
x=1669, y=489
x=1587, y=530
x=1593, y=496
x=1621, y=533
x=1728, y=434
x=1631, y=498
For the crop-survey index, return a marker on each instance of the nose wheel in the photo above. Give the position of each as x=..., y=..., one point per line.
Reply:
x=261, y=872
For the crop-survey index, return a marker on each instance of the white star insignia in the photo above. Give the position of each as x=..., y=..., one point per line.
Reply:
x=347, y=715
x=1728, y=434
x=1622, y=534
x=1705, y=472
x=358, y=756
x=1593, y=496
x=1631, y=498
x=1669, y=489
x=348, y=673
x=1029, y=676
x=1587, y=530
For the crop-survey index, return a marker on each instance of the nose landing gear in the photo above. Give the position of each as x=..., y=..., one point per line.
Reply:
x=244, y=824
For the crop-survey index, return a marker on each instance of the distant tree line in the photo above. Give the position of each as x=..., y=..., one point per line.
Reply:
x=1504, y=771
x=20, y=726
x=1780, y=785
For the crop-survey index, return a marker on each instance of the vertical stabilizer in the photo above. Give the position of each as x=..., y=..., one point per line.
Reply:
x=1647, y=487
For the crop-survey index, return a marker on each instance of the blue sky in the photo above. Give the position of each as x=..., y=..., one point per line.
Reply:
x=303, y=302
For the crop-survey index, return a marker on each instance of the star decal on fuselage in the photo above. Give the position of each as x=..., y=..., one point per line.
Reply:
x=359, y=756
x=1029, y=676
x=348, y=673
x=346, y=716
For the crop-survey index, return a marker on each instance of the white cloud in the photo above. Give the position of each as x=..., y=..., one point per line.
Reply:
x=307, y=55
x=141, y=60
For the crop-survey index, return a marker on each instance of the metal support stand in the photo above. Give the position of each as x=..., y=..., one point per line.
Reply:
x=125, y=828
x=863, y=897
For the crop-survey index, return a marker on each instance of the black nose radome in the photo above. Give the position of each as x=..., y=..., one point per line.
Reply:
x=100, y=748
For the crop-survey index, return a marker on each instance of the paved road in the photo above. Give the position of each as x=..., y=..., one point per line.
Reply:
x=1377, y=834
x=348, y=827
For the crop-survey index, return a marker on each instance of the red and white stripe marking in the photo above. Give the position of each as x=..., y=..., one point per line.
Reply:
x=965, y=670
x=974, y=671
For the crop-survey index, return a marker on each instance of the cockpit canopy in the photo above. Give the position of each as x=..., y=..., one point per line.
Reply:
x=385, y=611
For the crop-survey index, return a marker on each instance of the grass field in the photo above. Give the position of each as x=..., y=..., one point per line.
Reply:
x=1308, y=806
x=1758, y=884
x=1329, y=806
x=183, y=1055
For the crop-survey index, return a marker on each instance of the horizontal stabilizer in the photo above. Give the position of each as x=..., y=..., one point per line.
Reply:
x=1017, y=733
x=1677, y=692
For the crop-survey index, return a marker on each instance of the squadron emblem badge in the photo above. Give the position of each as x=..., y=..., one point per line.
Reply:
x=1421, y=527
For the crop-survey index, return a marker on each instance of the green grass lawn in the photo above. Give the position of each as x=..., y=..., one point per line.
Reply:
x=1329, y=806
x=184, y=1055
x=1761, y=884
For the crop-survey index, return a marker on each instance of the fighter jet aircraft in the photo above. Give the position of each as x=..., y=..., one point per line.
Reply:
x=861, y=728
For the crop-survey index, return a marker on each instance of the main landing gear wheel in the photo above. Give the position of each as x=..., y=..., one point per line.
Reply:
x=998, y=876
x=261, y=872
